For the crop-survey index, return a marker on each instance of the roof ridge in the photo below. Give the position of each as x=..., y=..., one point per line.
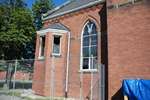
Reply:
x=57, y=8
x=72, y=6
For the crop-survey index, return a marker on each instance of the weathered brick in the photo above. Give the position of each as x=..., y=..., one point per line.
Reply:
x=128, y=44
x=75, y=23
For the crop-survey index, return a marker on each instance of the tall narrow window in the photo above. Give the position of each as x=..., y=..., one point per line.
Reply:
x=89, y=46
x=56, y=45
x=42, y=46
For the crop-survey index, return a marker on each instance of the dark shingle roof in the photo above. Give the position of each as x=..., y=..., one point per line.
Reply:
x=56, y=26
x=69, y=7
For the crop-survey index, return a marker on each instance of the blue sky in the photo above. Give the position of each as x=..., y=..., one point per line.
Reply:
x=56, y=2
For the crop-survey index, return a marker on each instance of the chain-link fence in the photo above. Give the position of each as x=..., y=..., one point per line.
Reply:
x=96, y=85
x=17, y=75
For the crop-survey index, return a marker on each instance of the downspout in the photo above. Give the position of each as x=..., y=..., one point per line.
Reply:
x=67, y=69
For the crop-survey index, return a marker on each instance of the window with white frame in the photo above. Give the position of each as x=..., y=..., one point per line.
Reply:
x=56, y=44
x=42, y=46
x=89, y=46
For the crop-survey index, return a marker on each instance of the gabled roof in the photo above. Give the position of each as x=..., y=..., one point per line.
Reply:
x=70, y=6
x=54, y=28
x=58, y=26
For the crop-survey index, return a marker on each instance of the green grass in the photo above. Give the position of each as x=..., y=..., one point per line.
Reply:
x=18, y=94
x=1, y=88
x=46, y=98
x=14, y=93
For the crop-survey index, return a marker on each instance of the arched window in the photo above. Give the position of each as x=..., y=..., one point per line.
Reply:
x=89, y=44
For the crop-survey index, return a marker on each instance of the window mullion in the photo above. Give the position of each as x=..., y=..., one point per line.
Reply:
x=89, y=43
x=89, y=35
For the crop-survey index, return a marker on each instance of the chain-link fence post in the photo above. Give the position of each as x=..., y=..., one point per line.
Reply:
x=14, y=79
x=81, y=85
x=52, y=69
x=92, y=65
x=102, y=82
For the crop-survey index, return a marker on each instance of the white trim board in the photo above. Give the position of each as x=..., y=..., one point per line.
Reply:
x=45, y=31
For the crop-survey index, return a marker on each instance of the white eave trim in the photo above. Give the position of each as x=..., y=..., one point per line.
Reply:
x=44, y=31
x=73, y=10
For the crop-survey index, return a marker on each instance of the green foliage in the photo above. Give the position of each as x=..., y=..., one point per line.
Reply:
x=2, y=68
x=14, y=3
x=19, y=30
x=16, y=29
x=40, y=7
x=16, y=33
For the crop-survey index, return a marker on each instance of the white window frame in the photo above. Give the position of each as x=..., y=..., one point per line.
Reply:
x=60, y=35
x=81, y=53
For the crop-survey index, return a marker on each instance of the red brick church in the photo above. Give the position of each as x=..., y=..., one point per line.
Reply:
x=68, y=41
x=80, y=32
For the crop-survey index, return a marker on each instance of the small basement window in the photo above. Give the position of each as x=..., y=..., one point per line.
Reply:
x=42, y=46
x=56, y=45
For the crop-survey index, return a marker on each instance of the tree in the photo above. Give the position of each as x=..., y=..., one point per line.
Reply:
x=40, y=7
x=16, y=29
x=13, y=4
x=16, y=32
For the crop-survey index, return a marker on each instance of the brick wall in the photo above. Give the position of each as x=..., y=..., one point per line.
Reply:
x=18, y=75
x=42, y=71
x=119, y=2
x=128, y=44
x=74, y=22
x=128, y=48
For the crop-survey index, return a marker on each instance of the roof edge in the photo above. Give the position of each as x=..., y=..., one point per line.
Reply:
x=73, y=10
x=43, y=32
x=56, y=8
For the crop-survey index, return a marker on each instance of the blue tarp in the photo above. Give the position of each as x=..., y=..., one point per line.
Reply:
x=137, y=89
